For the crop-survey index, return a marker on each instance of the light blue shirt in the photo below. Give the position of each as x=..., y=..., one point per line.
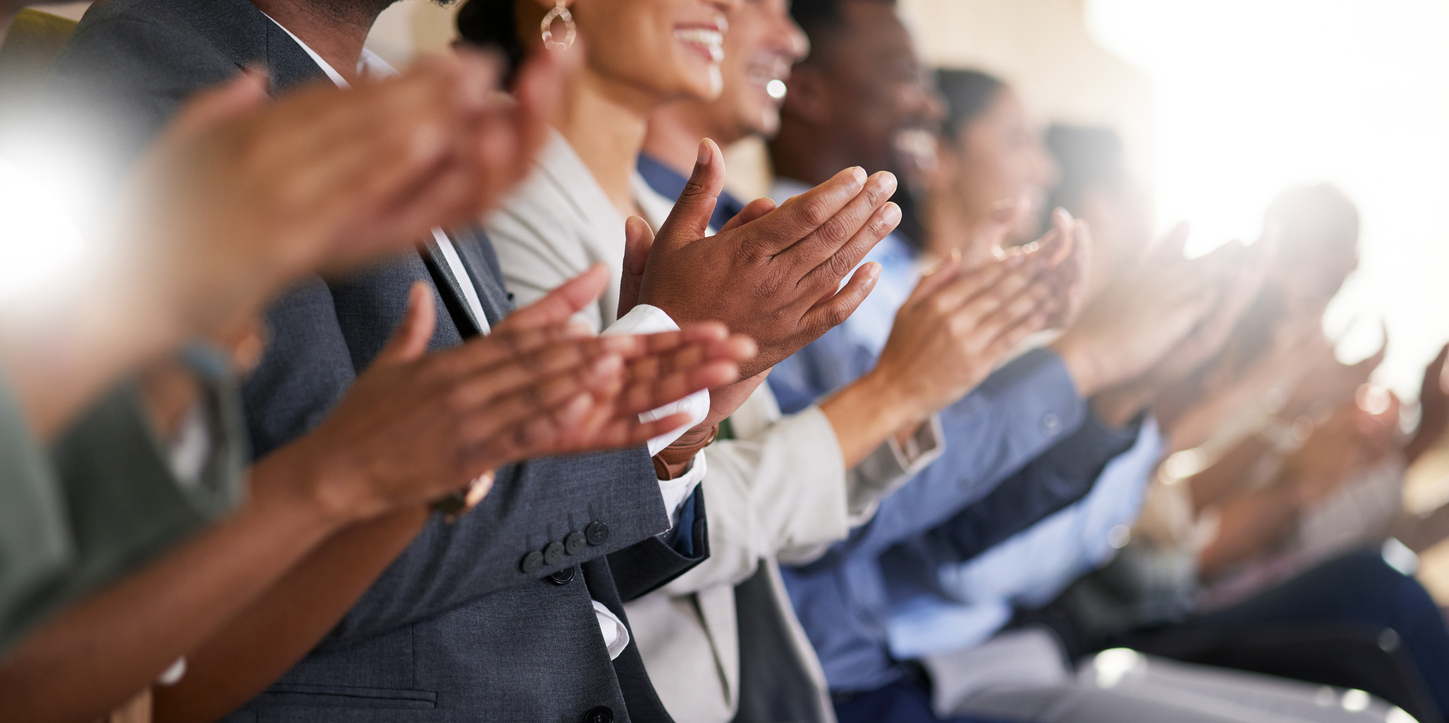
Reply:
x=976, y=599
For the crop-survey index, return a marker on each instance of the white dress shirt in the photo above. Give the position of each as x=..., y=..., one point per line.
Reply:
x=643, y=319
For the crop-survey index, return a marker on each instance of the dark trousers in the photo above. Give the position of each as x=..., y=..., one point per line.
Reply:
x=1358, y=593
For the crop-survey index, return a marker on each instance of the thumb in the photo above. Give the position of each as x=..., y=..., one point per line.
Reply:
x=638, y=240
x=233, y=98
x=410, y=339
x=690, y=218
x=936, y=277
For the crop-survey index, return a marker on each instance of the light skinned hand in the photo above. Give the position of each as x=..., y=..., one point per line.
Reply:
x=958, y=324
x=1135, y=323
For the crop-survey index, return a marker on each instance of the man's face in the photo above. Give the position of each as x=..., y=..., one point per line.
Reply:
x=882, y=96
x=762, y=45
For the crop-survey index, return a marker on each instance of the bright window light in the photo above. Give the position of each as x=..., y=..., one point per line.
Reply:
x=1254, y=95
x=38, y=243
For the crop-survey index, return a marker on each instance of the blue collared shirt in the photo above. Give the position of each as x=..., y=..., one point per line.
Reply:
x=1020, y=447
x=975, y=599
x=669, y=183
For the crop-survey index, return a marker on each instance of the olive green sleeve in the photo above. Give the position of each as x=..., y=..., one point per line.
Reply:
x=35, y=541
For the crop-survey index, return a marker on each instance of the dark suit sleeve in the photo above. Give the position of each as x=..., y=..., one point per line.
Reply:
x=651, y=564
x=532, y=506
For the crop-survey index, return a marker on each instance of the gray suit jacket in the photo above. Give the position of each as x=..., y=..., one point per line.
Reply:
x=455, y=629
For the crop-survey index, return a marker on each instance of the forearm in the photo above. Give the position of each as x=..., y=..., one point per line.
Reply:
x=1247, y=527
x=116, y=642
x=254, y=649
x=1227, y=476
x=867, y=413
x=1421, y=532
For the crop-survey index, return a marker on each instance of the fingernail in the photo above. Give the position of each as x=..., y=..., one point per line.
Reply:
x=858, y=174
x=608, y=364
x=704, y=154
x=886, y=182
x=891, y=214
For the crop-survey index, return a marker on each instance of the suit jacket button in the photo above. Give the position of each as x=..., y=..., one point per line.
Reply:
x=597, y=533
x=601, y=714
x=532, y=561
x=553, y=554
x=574, y=543
x=562, y=577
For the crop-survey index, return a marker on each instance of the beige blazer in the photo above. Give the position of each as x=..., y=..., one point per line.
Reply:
x=779, y=491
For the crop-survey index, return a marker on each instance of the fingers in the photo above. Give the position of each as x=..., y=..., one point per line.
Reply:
x=576, y=362
x=936, y=278
x=559, y=305
x=804, y=214
x=660, y=379
x=244, y=93
x=865, y=220
x=638, y=240
x=689, y=220
x=833, y=311
x=828, y=274
x=410, y=340
x=753, y=210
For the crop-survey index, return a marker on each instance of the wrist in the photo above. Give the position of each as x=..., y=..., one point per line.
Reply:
x=898, y=402
x=1081, y=364
x=309, y=478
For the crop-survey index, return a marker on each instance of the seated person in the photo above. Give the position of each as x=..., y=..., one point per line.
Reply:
x=374, y=464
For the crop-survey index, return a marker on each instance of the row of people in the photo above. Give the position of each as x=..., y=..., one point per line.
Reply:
x=919, y=423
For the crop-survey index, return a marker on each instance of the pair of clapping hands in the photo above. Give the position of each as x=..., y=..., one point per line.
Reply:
x=243, y=196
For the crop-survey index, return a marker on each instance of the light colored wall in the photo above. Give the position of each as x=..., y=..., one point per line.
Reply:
x=1040, y=45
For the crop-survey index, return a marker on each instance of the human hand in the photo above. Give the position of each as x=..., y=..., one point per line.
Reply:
x=1360, y=432
x=957, y=324
x=1433, y=407
x=416, y=426
x=1134, y=324
x=775, y=278
x=1325, y=382
x=241, y=195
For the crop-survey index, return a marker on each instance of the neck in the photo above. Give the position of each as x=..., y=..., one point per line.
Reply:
x=674, y=134
x=951, y=226
x=606, y=129
x=334, y=30
x=808, y=154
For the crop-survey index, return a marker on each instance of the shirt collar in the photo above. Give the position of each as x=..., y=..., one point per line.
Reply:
x=670, y=183
x=368, y=64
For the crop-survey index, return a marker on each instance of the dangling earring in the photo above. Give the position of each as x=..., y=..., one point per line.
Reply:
x=559, y=12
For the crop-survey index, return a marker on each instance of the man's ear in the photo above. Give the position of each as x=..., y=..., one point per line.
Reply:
x=809, y=95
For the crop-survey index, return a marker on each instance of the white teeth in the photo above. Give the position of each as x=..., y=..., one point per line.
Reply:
x=711, y=40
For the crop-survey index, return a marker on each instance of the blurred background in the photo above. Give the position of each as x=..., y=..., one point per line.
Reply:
x=1221, y=103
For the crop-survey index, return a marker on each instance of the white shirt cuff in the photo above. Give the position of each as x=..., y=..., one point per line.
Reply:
x=646, y=319
x=677, y=491
x=616, y=634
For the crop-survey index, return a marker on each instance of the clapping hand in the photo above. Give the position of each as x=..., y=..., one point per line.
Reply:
x=416, y=426
x=243, y=194
x=773, y=274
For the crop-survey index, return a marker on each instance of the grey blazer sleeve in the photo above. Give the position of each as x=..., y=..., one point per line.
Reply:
x=322, y=334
